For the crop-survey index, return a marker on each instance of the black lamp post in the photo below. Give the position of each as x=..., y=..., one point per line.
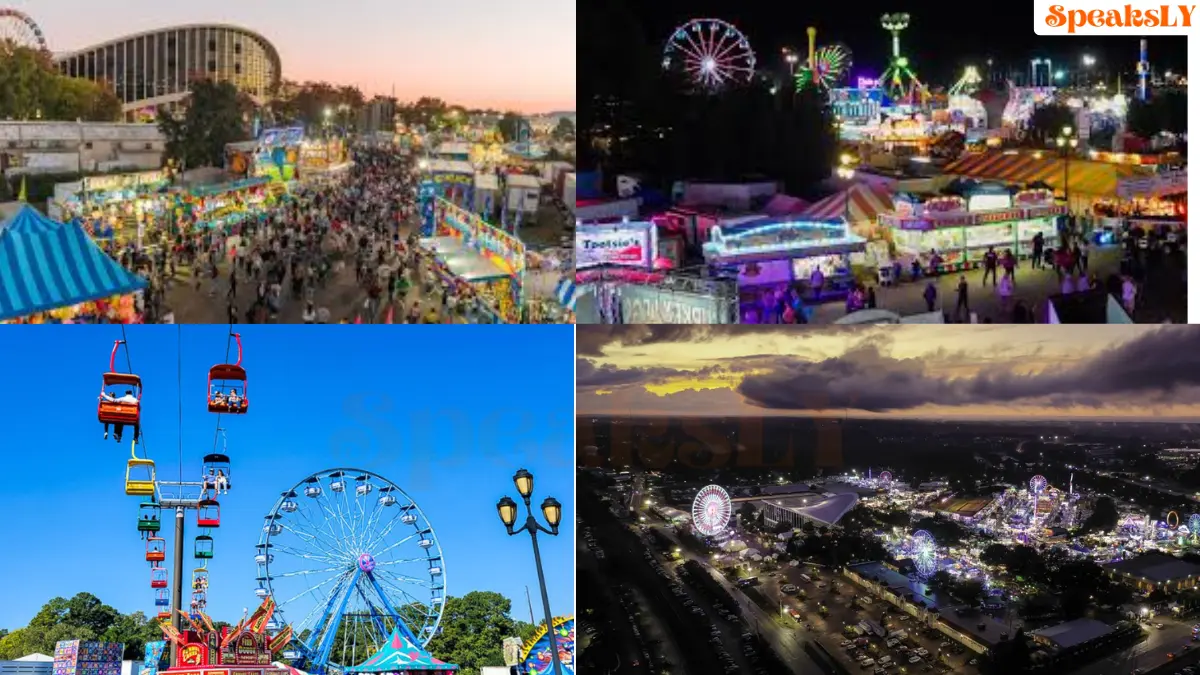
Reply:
x=1067, y=142
x=552, y=511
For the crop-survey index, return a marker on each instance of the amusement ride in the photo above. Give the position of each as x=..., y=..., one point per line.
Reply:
x=350, y=558
x=18, y=29
x=712, y=53
x=899, y=79
x=924, y=553
x=711, y=510
x=344, y=551
x=826, y=65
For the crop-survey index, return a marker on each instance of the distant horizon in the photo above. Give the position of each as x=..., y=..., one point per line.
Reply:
x=474, y=54
x=897, y=418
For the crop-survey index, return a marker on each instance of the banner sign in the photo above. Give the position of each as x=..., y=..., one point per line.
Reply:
x=1165, y=183
x=649, y=305
x=624, y=244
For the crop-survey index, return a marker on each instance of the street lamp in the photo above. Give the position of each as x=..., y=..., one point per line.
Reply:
x=1067, y=143
x=790, y=56
x=845, y=171
x=552, y=511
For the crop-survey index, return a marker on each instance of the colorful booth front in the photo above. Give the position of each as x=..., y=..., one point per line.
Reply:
x=537, y=650
x=960, y=230
x=486, y=257
x=623, y=244
x=446, y=180
x=775, y=256
x=401, y=655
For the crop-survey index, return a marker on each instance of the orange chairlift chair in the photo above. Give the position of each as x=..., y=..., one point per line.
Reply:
x=224, y=380
x=156, y=549
x=114, y=411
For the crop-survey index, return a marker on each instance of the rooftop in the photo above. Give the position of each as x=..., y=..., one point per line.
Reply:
x=1156, y=567
x=1071, y=633
x=825, y=509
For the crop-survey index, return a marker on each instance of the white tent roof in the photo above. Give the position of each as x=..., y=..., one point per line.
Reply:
x=36, y=656
x=487, y=181
x=520, y=180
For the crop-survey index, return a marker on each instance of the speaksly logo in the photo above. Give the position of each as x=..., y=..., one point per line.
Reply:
x=1126, y=18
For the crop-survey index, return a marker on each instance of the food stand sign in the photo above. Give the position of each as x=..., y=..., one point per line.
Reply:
x=624, y=244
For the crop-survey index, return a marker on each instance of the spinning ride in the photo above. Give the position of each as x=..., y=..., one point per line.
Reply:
x=924, y=553
x=18, y=29
x=536, y=651
x=349, y=558
x=899, y=81
x=825, y=66
x=711, y=510
x=710, y=52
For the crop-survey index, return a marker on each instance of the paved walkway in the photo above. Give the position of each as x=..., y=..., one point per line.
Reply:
x=1164, y=296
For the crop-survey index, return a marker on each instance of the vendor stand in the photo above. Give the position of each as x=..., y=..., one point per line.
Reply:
x=444, y=180
x=54, y=272
x=774, y=256
x=226, y=205
x=118, y=207
x=503, y=252
x=960, y=231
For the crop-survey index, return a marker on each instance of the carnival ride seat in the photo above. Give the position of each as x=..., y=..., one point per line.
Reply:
x=208, y=513
x=224, y=382
x=218, y=463
x=148, y=519
x=162, y=615
x=364, y=486
x=339, y=481
x=312, y=491
x=139, y=487
x=162, y=597
x=114, y=411
x=203, y=549
x=156, y=549
x=263, y=555
x=158, y=577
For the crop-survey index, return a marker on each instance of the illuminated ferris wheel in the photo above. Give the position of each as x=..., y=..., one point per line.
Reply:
x=1037, y=484
x=18, y=29
x=924, y=553
x=711, y=52
x=711, y=510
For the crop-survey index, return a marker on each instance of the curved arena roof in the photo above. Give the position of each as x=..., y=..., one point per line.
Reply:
x=257, y=37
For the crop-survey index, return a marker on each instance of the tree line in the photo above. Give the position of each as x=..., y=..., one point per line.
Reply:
x=471, y=635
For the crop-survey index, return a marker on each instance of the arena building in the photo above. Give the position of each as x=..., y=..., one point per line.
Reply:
x=152, y=69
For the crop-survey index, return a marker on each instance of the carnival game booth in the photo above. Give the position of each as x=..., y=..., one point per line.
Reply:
x=225, y=205
x=118, y=208
x=779, y=255
x=57, y=271
x=1087, y=180
x=960, y=230
x=246, y=649
x=493, y=260
x=444, y=180
x=322, y=156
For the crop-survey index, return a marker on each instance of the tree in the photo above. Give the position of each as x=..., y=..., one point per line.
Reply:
x=1104, y=516
x=473, y=630
x=510, y=126
x=970, y=591
x=32, y=88
x=564, y=130
x=1166, y=111
x=312, y=104
x=1047, y=122
x=216, y=116
x=994, y=554
x=941, y=580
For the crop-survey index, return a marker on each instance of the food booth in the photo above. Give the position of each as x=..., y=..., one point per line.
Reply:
x=961, y=229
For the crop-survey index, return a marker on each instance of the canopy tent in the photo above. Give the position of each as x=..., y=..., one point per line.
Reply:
x=785, y=205
x=463, y=261
x=860, y=204
x=400, y=654
x=1087, y=178
x=45, y=265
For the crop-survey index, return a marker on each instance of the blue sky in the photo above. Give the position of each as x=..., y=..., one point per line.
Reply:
x=447, y=415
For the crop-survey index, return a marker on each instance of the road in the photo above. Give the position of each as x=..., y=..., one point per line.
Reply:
x=1149, y=653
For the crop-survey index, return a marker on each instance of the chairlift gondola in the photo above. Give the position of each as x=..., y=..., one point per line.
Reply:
x=208, y=513
x=148, y=517
x=158, y=576
x=118, y=408
x=156, y=549
x=217, y=464
x=162, y=597
x=227, y=385
x=203, y=547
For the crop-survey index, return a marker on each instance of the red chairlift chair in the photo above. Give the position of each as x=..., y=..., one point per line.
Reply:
x=221, y=382
x=119, y=412
x=208, y=513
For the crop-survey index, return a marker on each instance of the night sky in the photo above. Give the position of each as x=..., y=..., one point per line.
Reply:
x=938, y=43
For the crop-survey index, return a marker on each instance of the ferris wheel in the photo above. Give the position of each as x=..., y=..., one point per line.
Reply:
x=885, y=477
x=711, y=510
x=924, y=553
x=348, y=557
x=1037, y=484
x=711, y=52
x=19, y=29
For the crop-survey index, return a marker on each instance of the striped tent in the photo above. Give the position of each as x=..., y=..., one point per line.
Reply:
x=860, y=204
x=567, y=293
x=1094, y=179
x=45, y=265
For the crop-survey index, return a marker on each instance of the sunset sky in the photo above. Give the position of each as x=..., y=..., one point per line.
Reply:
x=934, y=372
x=476, y=53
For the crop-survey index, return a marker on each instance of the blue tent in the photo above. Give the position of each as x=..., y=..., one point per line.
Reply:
x=45, y=265
x=401, y=654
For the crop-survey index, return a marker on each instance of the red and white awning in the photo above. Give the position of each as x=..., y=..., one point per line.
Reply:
x=859, y=203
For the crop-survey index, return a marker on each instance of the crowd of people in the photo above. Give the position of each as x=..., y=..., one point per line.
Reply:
x=364, y=221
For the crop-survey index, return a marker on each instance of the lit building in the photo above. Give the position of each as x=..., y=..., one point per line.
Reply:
x=1153, y=571
x=152, y=69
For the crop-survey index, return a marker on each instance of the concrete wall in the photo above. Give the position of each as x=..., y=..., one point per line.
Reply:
x=64, y=147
